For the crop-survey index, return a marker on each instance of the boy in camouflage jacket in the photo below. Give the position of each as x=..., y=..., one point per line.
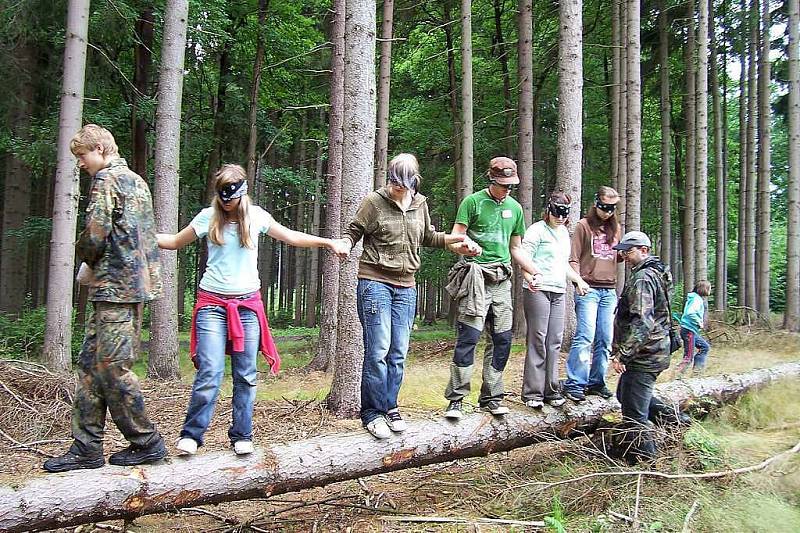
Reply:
x=121, y=268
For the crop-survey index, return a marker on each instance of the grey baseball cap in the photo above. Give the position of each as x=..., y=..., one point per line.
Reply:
x=633, y=238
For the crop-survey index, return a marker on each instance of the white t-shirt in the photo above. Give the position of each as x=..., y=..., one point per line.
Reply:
x=231, y=268
x=549, y=250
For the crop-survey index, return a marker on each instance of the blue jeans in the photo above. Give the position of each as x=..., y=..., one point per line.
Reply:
x=595, y=324
x=387, y=315
x=695, y=350
x=212, y=337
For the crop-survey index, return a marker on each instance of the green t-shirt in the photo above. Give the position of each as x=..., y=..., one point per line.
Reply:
x=491, y=224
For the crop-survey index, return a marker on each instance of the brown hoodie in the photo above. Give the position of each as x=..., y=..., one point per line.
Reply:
x=592, y=257
x=392, y=238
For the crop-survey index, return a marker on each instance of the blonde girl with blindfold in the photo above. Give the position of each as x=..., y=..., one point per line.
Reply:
x=229, y=315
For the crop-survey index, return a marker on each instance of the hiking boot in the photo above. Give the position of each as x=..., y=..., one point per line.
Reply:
x=379, y=428
x=556, y=401
x=534, y=404
x=575, y=396
x=454, y=410
x=243, y=447
x=603, y=392
x=73, y=461
x=186, y=446
x=136, y=455
x=496, y=408
x=395, y=421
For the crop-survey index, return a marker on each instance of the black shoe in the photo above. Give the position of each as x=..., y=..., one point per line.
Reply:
x=603, y=392
x=672, y=418
x=575, y=396
x=495, y=407
x=454, y=410
x=73, y=461
x=135, y=455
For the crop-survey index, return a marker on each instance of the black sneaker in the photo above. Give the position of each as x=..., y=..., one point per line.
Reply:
x=454, y=411
x=496, y=408
x=575, y=396
x=73, y=461
x=603, y=392
x=135, y=455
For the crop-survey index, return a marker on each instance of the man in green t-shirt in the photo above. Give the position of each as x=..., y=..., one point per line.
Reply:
x=481, y=286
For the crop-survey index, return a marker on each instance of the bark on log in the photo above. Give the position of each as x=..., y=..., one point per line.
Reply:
x=60, y=500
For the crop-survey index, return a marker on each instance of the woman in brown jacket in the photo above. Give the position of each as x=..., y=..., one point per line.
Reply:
x=394, y=222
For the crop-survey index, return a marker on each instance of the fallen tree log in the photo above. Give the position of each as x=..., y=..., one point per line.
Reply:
x=60, y=500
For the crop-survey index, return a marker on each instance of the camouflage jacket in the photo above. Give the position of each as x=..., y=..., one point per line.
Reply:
x=641, y=327
x=119, y=240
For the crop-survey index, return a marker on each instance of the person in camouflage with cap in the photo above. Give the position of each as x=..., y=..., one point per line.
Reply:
x=121, y=268
x=641, y=348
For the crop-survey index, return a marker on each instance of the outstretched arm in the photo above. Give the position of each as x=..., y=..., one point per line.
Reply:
x=340, y=247
x=177, y=241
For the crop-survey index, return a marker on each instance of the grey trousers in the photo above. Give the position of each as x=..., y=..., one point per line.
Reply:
x=544, y=314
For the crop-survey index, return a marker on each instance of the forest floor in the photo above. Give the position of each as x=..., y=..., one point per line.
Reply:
x=503, y=486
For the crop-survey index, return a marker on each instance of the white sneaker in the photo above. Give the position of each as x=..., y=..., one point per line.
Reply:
x=243, y=447
x=379, y=428
x=186, y=446
x=395, y=421
x=534, y=404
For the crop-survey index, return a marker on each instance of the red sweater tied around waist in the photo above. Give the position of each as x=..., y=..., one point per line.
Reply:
x=235, y=328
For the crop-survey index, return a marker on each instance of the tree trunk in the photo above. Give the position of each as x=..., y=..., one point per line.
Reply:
x=752, y=174
x=312, y=272
x=452, y=90
x=616, y=90
x=430, y=303
x=297, y=270
x=467, y=136
x=17, y=188
x=218, y=477
x=633, y=195
x=720, y=185
x=570, y=123
x=501, y=52
x=258, y=63
x=326, y=347
x=141, y=81
x=701, y=176
x=215, y=156
x=524, y=142
x=385, y=76
x=689, y=107
x=764, y=134
x=163, y=353
x=741, y=254
x=58, y=329
x=344, y=399
x=666, y=135
x=621, y=184
x=791, y=319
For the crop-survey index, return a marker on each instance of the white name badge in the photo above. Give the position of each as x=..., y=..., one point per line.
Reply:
x=506, y=213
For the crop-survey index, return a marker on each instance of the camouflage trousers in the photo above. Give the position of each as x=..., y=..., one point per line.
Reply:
x=106, y=381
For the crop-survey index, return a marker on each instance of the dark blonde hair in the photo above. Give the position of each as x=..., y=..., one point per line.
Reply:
x=703, y=287
x=226, y=175
x=90, y=137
